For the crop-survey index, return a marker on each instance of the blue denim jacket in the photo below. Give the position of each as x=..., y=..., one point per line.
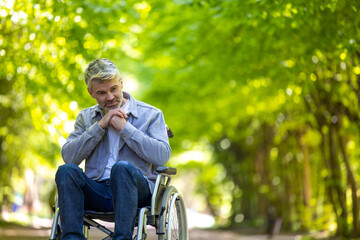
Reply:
x=143, y=143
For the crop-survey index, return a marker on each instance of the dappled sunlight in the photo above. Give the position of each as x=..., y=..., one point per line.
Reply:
x=193, y=155
x=264, y=105
x=199, y=220
x=131, y=84
x=25, y=219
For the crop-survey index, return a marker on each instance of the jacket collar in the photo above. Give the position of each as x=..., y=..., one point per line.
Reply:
x=132, y=108
x=133, y=105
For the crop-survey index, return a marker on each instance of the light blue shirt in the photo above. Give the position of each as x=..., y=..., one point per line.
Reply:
x=114, y=139
x=143, y=141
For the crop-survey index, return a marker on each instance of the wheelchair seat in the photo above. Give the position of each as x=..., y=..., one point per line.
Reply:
x=103, y=216
x=167, y=213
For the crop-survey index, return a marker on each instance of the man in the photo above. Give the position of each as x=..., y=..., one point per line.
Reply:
x=122, y=140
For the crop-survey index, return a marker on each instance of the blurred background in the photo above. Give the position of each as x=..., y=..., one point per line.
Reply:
x=262, y=96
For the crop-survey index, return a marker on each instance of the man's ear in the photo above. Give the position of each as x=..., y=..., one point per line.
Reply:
x=91, y=93
x=121, y=83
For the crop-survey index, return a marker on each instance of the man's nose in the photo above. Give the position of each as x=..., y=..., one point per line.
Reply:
x=109, y=96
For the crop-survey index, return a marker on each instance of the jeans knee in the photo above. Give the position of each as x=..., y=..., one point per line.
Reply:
x=122, y=167
x=65, y=171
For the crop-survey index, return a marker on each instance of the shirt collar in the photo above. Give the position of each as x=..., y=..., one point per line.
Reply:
x=132, y=106
x=97, y=111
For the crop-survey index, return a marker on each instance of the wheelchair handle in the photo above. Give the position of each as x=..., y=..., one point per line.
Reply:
x=169, y=132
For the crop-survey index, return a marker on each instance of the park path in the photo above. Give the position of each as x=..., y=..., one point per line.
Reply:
x=205, y=234
x=26, y=233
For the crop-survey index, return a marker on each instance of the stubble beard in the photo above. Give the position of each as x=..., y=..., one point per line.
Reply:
x=118, y=105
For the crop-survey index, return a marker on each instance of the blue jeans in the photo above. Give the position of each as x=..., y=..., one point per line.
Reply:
x=125, y=192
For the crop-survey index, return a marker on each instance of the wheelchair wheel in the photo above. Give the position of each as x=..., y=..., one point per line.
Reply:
x=55, y=233
x=142, y=223
x=58, y=232
x=56, y=228
x=173, y=221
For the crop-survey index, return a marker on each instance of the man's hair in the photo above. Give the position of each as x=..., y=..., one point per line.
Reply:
x=100, y=70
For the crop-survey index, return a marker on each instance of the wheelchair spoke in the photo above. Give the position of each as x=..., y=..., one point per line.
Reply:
x=175, y=224
x=175, y=231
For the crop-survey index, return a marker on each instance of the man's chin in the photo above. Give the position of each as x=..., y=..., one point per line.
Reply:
x=111, y=105
x=108, y=108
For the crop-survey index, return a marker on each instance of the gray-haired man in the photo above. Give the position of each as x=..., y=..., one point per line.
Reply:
x=122, y=140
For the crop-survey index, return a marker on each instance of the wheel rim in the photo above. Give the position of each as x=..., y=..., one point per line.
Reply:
x=173, y=222
x=174, y=228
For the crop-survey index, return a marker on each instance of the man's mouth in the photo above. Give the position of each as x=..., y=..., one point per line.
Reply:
x=112, y=104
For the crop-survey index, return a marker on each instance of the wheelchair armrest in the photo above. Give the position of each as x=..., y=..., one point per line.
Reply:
x=166, y=170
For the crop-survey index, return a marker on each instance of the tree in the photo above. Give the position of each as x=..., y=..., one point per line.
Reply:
x=269, y=89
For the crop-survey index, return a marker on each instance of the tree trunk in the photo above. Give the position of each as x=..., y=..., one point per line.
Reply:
x=336, y=181
x=353, y=186
x=330, y=189
x=307, y=188
x=307, y=191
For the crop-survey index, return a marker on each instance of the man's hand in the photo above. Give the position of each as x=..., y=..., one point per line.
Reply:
x=106, y=120
x=118, y=122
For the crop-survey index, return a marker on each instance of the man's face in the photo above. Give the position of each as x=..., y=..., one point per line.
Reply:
x=108, y=94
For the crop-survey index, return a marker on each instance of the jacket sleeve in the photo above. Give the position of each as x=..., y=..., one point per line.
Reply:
x=152, y=146
x=82, y=141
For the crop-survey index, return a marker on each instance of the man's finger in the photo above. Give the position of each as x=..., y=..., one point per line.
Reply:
x=122, y=113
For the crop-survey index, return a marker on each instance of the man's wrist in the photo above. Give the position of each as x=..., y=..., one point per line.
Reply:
x=122, y=126
x=128, y=130
x=101, y=124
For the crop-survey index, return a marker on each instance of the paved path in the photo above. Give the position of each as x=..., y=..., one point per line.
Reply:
x=26, y=233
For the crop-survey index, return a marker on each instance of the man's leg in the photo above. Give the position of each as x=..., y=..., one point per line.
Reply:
x=77, y=192
x=130, y=190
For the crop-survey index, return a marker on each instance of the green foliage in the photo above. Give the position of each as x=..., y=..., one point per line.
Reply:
x=268, y=89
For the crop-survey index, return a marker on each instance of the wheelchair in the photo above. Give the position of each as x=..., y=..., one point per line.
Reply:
x=166, y=214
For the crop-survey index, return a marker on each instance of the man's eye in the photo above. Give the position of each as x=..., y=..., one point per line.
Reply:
x=101, y=93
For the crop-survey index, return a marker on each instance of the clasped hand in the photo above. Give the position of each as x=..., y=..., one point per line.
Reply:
x=115, y=118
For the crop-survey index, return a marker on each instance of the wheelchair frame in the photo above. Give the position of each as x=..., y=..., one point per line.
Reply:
x=167, y=213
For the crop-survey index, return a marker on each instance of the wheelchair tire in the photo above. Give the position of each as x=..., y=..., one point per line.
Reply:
x=173, y=222
x=56, y=228
x=57, y=234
